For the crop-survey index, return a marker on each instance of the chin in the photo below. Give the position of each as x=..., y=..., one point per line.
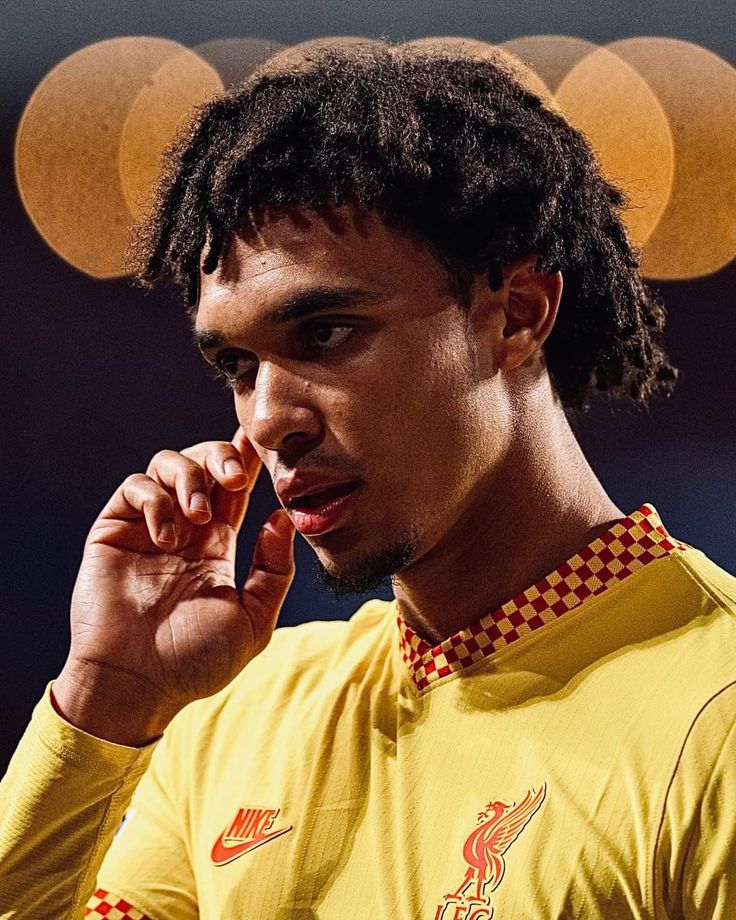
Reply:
x=365, y=570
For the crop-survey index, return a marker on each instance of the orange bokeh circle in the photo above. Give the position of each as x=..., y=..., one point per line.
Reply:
x=162, y=106
x=66, y=149
x=629, y=131
x=697, y=89
x=235, y=59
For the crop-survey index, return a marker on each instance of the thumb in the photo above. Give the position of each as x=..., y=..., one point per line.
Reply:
x=270, y=575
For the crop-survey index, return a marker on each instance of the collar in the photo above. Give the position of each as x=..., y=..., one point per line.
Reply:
x=628, y=545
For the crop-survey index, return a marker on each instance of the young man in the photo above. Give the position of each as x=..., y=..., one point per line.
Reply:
x=541, y=723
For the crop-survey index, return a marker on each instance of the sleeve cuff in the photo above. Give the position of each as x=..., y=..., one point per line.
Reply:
x=70, y=743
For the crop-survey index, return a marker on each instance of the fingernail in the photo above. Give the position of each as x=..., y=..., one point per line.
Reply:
x=233, y=467
x=199, y=502
x=167, y=533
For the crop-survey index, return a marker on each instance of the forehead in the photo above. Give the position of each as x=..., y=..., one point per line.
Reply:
x=294, y=249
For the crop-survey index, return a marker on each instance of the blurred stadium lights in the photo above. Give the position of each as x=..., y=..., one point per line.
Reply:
x=235, y=59
x=67, y=145
x=660, y=113
x=551, y=56
x=612, y=104
x=696, y=235
x=154, y=118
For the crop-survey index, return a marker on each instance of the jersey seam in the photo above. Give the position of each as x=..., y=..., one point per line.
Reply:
x=653, y=886
x=94, y=849
x=721, y=597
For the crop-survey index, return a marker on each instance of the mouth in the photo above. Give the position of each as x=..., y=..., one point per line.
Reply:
x=324, y=510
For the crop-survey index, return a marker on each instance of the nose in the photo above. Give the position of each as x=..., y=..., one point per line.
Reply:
x=282, y=418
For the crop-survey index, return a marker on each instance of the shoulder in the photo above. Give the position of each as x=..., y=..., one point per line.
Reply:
x=689, y=599
x=691, y=602
x=703, y=669
x=709, y=578
x=699, y=598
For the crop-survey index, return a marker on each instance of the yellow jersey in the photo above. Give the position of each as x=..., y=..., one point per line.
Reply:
x=570, y=755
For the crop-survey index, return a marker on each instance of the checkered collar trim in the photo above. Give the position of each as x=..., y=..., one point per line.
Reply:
x=629, y=544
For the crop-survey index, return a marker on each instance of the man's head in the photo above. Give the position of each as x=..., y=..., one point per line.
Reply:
x=349, y=355
x=455, y=201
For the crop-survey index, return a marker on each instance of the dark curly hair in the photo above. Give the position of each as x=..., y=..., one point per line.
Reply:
x=449, y=147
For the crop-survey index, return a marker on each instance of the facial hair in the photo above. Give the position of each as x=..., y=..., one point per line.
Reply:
x=371, y=571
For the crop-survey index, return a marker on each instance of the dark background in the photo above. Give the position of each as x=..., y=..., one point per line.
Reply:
x=98, y=376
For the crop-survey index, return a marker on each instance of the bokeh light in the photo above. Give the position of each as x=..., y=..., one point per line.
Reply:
x=66, y=149
x=235, y=59
x=697, y=232
x=155, y=115
x=659, y=112
x=611, y=103
x=552, y=57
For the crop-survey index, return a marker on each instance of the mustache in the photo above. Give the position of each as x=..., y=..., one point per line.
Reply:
x=316, y=463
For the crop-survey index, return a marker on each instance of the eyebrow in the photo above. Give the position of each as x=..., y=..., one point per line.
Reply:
x=304, y=303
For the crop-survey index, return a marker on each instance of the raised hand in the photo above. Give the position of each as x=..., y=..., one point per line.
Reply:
x=156, y=617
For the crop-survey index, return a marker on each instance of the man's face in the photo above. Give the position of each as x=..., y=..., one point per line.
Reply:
x=378, y=386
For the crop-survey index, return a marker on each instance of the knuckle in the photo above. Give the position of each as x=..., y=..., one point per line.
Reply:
x=161, y=458
x=197, y=480
x=160, y=502
x=135, y=480
x=199, y=448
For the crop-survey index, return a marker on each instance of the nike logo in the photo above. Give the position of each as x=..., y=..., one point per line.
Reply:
x=248, y=831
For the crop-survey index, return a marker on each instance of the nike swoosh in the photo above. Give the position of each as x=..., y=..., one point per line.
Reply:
x=223, y=854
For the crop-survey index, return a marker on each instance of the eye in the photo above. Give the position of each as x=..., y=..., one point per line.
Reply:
x=322, y=331
x=232, y=368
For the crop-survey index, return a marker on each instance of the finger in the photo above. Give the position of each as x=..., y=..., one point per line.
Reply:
x=231, y=507
x=241, y=441
x=270, y=575
x=245, y=448
x=139, y=496
x=187, y=478
x=222, y=461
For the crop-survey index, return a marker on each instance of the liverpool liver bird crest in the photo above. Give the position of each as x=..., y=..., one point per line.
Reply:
x=499, y=826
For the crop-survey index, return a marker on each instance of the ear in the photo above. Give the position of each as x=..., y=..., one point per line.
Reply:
x=530, y=302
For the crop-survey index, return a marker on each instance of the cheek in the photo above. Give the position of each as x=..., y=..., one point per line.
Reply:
x=432, y=432
x=455, y=433
x=412, y=409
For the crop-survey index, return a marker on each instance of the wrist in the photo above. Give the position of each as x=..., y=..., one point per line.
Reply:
x=107, y=704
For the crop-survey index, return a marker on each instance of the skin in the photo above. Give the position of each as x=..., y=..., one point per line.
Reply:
x=473, y=485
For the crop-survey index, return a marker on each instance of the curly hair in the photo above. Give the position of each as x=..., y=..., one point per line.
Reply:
x=450, y=148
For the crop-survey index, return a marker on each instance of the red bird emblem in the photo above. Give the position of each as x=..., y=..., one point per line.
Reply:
x=499, y=826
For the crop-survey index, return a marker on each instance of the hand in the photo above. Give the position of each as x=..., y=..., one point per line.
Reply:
x=156, y=618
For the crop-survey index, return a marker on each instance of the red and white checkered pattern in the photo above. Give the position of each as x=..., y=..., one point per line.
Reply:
x=628, y=545
x=110, y=906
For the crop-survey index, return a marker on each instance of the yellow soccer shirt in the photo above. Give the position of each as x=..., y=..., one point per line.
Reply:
x=570, y=755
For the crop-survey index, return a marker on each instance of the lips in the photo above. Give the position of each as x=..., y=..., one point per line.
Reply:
x=316, y=501
x=325, y=509
x=320, y=497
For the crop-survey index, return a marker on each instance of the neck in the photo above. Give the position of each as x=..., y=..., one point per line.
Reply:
x=526, y=518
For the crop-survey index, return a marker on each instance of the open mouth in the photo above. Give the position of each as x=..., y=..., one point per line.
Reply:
x=323, y=497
